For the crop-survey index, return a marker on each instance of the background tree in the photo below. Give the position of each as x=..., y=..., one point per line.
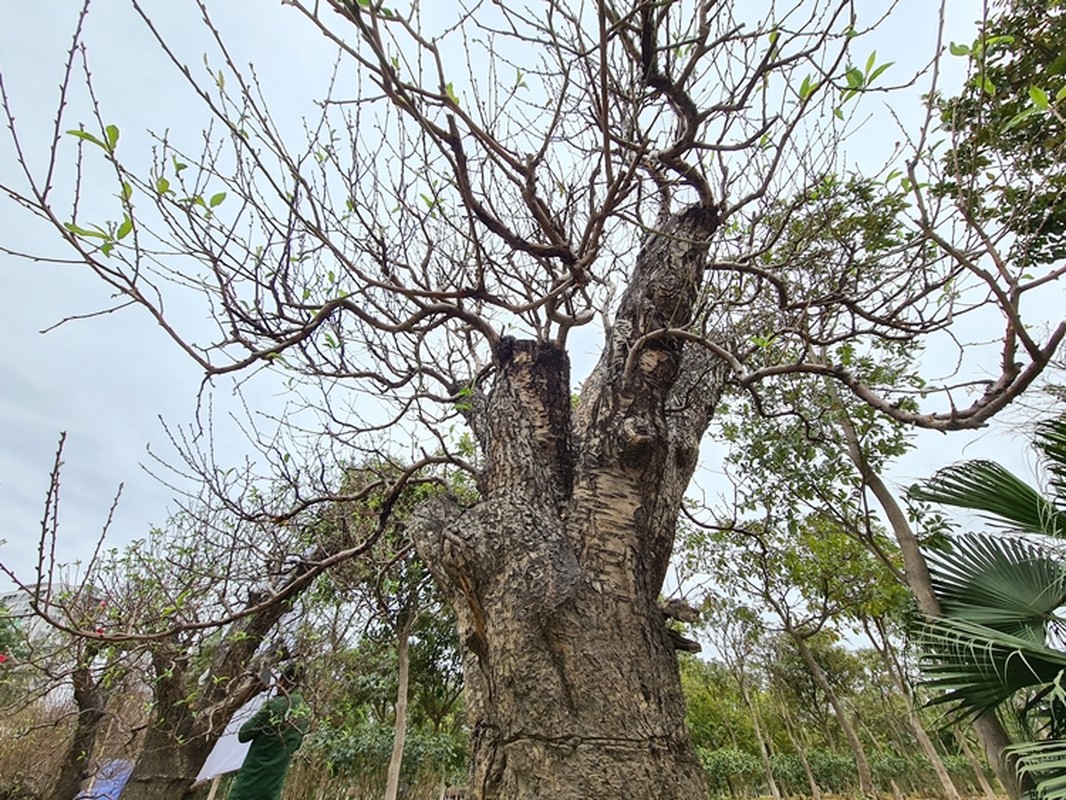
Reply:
x=736, y=631
x=1009, y=131
x=193, y=610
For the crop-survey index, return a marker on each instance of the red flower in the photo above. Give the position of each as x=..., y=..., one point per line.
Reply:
x=100, y=631
x=3, y=657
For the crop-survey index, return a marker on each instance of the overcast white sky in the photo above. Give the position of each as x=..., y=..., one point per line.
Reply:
x=107, y=381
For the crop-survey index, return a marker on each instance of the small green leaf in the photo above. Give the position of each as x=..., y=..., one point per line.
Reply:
x=106, y=248
x=838, y=112
x=873, y=76
x=220, y=81
x=79, y=231
x=959, y=49
x=450, y=91
x=870, y=62
x=1060, y=94
x=807, y=88
x=88, y=137
x=125, y=228
x=1039, y=98
x=216, y=199
x=855, y=78
x=983, y=82
x=162, y=186
x=127, y=192
x=178, y=165
x=992, y=41
x=112, y=137
x=1017, y=119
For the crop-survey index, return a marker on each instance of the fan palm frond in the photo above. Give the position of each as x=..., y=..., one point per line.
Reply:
x=1007, y=500
x=1006, y=583
x=978, y=667
x=1045, y=763
x=1051, y=440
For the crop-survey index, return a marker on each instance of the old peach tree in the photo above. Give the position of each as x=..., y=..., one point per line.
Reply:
x=485, y=189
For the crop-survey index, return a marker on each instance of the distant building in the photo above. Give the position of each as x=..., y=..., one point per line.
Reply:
x=19, y=607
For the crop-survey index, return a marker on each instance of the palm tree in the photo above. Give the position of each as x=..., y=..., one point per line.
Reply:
x=1000, y=644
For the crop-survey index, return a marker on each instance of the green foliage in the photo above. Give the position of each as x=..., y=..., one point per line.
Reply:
x=714, y=711
x=1009, y=128
x=365, y=748
x=108, y=143
x=735, y=772
x=12, y=642
x=13, y=648
x=730, y=771
x=833, y=771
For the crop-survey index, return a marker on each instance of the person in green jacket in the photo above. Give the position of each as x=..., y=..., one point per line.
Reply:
x=276, y=731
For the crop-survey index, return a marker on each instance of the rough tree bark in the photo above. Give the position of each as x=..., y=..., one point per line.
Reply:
x=90, y=701
x=571, y=679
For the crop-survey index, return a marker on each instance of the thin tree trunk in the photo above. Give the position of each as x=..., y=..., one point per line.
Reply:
x=990, y=731
x=862, y=766
x=801, y=752
x=883, y=647
x=975, y=765
x=392, y=785
x=760, y=740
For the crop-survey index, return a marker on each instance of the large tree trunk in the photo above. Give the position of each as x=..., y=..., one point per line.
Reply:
x=989, y=730
x=166, y=767
x=90, y=702
x=571, y=679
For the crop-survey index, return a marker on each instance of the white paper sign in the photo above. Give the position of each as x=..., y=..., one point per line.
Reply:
x=228, y=754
